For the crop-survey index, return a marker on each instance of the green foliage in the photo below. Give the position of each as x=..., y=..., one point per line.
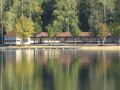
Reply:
x=38, y=22
x=37, y=28
x=60, y=14
x=97, y=15
x=51, y=30
x=75, y=30
x=103, y=30
x=24, y=27
x=9, y=21
x=64, y=13
x=117, y=11
x=115, y=29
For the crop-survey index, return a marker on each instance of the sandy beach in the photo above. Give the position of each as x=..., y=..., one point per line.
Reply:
x=111, y=48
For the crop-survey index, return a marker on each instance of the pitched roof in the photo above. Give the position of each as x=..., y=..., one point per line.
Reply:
x=109, y=34
x=64, y=34
x=68, y=34
x=45, y=34
x=42, y=34
x=85, y=34
x=10, y=34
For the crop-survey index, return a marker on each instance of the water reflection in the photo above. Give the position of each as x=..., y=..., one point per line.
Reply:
x=35, y=69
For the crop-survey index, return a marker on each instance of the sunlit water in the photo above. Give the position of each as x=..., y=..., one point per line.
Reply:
x=35, y=69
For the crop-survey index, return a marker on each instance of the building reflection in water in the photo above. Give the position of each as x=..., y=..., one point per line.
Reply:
x=35, y=69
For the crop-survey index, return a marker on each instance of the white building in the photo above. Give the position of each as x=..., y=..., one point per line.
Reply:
x=11, y=39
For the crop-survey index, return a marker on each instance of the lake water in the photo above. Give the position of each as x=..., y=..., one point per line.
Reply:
x=35, y=69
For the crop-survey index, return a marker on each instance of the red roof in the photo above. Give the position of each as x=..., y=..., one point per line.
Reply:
x=10, y=34
x=45, y=34
x=85, y=34
x=42, y=34
x=68, y=34
x=64, y=34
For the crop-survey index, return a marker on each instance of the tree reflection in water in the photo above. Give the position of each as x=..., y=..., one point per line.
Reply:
x=35, y=69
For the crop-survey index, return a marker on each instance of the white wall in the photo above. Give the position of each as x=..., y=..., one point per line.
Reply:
x=12, y=41
x=51, y=41
x=15, y=41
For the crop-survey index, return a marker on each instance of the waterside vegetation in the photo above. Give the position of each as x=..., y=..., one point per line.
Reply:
x=29, y=17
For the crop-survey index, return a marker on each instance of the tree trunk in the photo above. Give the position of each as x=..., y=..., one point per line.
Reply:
x=75, y=40
x=54, y=40
x=49, y=41
x=3, y=40
x=98, y=41
x=118, y=40
x=34, y=40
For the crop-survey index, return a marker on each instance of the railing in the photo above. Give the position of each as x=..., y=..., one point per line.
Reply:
x=84, y=40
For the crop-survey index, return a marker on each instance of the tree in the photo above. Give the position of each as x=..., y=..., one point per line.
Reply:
x=37, y=21
x=16, y=7
x=115, y=31
x=103, y=31
x=75, y=31
x=11, y=11
x=117, y=11
x=65, y=12
x=84, y=14
x=1, y=21
x=26, y=8
x=60, y=14
x=50, y=31
x=96, y=16
x=53, y=29
x=38, y=28
x=47, y=17
x=24, y=27
x=9, y=21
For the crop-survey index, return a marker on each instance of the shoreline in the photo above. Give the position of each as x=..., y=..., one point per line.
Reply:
x=101, y=48
x=90, y=48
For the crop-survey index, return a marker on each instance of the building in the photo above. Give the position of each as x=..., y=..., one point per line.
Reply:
x=43, y=38
x=12, y=39
x=61, y=37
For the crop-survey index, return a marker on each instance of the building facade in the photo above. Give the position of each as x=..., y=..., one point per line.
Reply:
x=11, y=39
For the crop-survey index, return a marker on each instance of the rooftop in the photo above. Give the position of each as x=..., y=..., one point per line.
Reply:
x=10, y=34
x=45, y=34
x=42, y=34
x=64, y=34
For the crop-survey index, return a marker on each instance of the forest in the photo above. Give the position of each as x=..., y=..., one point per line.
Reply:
x=28, y=17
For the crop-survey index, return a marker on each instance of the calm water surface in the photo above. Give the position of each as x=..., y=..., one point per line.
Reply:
x=35, y=69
